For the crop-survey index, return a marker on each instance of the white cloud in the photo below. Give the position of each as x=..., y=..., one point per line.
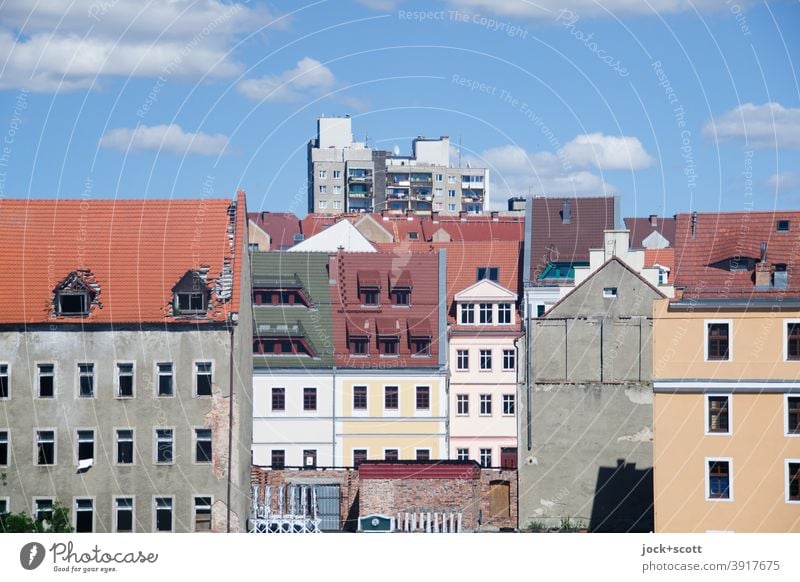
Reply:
x=782, y=182
x=308, y=78
x=550, y=9
x=760, y=126
x=165, y=138
x=607, y=152
x=63, y=45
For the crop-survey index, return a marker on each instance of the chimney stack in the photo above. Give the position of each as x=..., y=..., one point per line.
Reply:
x=654, y=220
x=566, y=214
x=694, y=225
x=763, y=270
x=495, y=215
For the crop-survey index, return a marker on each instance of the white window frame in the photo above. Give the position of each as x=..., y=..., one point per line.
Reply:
x=78, y=380
x=510, y=313
x=439, y=177
x=451, y=207
x=458, y=405
x=786, y=397
x=337, y=189
x=482, y=401
x=423, y=411
x=196, y=373
x=75, y=511
x=786, y=481
x=482, y=311
x=786, y=323
x=195, y=440
x=34, y=509
x=391, y=412
x=451, y=179
x=36, y=430
x=706, y=323
x=391, y=449
x=8, y=379
x=116, y=446
x=79, y=429
x=157, y=375
x=358, y=411
x=194, y=512
x=323, y=189
x=610, y=292
x=337, y=174
x=466, y=308
x=353, y=453
x=513, y=353
x=114, y=512
x=311, y=412
x=480, y=360
x=37, y=388
x=480, y=457
x=513, y=400
x=458, y=449
x=706, y=398
x=728, y=460
x=323, y=174
x=323, y=204
x=155, y=445
x=117, y=375
x=8, y=447
x=155, y=512
x=7, y=500
x=459, y=368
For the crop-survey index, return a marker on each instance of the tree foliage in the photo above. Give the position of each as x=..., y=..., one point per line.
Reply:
x=24, y=523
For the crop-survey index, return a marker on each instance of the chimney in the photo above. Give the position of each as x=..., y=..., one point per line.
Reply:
x=654, y=220
x=435, y=216
x=566, y=216
x=495, y=216
x=763, y=270
x=694, y=225
x=462, y=214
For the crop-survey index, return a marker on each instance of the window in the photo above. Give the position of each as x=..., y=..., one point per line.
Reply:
x=203, y=378
x=323, y=204
x=509, y=360
x=123, y=514
x=462, y=454
x=4, y=390
x=388, y=345
x=452, y=194
x=423, y=454
x=540, y=309
x=439, y=177
x=86, y=380
x=84, y=515
x=609, y=292
x=323, y=174
x=359, y=398
x=486, y=457
x=46, y=373
x=370, y=296
x=337, y=204
x=70, y=303
x=423, y=400
x=359, y=346
x=421, y=347
x=451, y=207
x=509, y=404
x=792, y=415
x=718, y=478
x=462, y=404
x=401, y=295
x=165, y=379
x=462, y=360
x=202, y=445
x=486, y=359
x=467, y=313
x=278, y=399
x=124, y=446
x=310, y=458
x=718, y=341
x=3, y=505
x=783, y=226
x=194, y=302
x=163, y=511
x=125, y=380
x=793, y=341
x=486, y=313
x=718, y=414
x=3, y=447
x=43, y=509
x=391, y=397
x=337, y=174
x=486, y=404
x=451, y=179
x=202, y=514
x=309, y=399
x=504, y=313
x=85, y=445
x=45, y=447
x=793, y=481
x=278, y=459
x=359, y=456
x=391, y=455
x=438, y=191
x=323, y=189
x=164, y=445
x=337, y=190
x=491, y=273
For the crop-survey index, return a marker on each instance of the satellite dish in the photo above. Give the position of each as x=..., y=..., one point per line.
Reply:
x=396, y=150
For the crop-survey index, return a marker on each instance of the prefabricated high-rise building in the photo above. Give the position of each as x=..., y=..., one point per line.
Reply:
x=349, y=176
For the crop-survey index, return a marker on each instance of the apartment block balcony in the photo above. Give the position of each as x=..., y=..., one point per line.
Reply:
x=471, y=184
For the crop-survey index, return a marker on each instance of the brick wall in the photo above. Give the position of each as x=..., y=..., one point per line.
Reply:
x=490, y=479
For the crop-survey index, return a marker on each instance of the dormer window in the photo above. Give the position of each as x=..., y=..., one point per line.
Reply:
x=190, y=295
x=369, y=288
x=73, y=296
x=783, y=226
x=401, y=289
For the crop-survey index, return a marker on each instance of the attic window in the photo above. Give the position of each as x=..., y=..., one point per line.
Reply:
x=609, y=292
x=491, y=273
x=73, y=303
x=413, y=235
x=190, y=295
x=191, y=302
x=783, y=226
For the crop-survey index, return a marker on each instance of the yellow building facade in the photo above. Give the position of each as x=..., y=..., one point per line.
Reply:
x=726, y=414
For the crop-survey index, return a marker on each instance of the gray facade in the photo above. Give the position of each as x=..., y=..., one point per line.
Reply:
x=586, y=414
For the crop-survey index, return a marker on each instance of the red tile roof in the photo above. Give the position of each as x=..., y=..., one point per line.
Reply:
x=663, y=257
x=280, y=226
x=130, y=252
x=641, y=228
x=553, y=240
x=721, y=236
x=350, y=317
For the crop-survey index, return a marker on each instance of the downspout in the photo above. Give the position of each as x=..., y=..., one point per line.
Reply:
x=640, y=349
x=230, y=429
x=528, y=367
x=601, y=350
x=333, y=423
x=566, y=350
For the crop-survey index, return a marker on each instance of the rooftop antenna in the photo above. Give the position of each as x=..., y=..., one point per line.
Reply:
x=366, y=139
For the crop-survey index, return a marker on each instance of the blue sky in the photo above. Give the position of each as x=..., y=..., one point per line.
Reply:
x=673, y=105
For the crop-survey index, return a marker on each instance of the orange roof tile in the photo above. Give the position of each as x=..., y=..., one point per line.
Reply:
x=133, y=251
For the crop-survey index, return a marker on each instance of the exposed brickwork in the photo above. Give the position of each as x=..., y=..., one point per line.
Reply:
x=492, y=476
